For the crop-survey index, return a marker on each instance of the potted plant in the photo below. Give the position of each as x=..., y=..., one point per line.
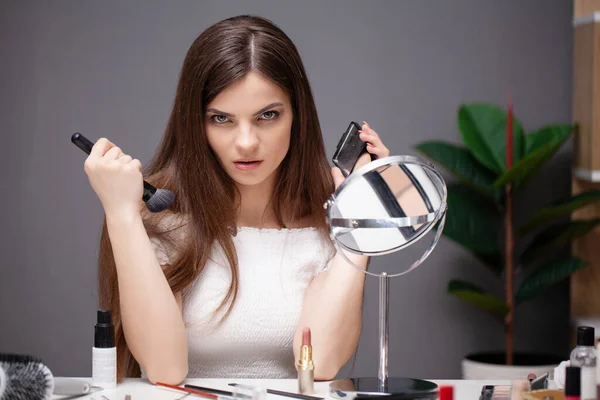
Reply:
x=497, y=159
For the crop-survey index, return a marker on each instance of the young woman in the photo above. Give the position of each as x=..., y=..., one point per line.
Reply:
x=224, y=282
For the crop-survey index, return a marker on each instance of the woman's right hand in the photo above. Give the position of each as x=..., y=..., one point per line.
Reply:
x=115, y=177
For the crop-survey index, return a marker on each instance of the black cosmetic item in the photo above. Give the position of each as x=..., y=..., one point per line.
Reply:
x=573, y=382
x=585, y=336
x=104, y=331
x=349, y=149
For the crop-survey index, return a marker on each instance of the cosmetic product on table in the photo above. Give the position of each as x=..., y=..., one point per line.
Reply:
x=530, y=389
x=597, y=374
x=27, y=377
x=201, y=393
x=306, y=369
x=584, y=357
x=280, y=393
x=209, y=390
x=573, y=383
x=24, y=377
x=540, y=382
x=446, y=392
x=104, y=352
x=495, y=392
x=72, y=387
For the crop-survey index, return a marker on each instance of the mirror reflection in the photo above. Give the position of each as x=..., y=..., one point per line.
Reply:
x=386, y=205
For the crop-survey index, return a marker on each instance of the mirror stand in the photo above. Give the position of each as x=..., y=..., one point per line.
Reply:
x=383, y=385
x=384, y=331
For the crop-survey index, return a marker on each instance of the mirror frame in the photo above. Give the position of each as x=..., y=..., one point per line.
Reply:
x=374, y=223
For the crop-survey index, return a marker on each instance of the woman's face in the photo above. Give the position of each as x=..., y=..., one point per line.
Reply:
x=249, y=127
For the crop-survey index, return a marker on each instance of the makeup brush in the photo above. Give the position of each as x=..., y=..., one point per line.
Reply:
x=24, y=377
x=156, y=200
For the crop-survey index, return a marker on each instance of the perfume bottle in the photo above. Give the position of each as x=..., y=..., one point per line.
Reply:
x=584, y=357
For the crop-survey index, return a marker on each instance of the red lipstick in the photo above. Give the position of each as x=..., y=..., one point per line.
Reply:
x=306, y=378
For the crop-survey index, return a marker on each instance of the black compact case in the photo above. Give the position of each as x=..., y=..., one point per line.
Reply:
x=349, y=149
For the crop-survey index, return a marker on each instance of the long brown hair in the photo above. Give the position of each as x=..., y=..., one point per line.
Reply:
x=185, y=164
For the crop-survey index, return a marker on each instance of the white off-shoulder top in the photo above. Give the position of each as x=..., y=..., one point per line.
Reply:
x=255, y=340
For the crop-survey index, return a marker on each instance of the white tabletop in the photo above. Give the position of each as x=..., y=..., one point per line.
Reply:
x=141, y=389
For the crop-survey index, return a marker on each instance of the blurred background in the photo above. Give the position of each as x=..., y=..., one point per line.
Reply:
x=109, y=69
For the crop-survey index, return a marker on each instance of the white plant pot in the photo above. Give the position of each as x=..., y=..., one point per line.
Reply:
x=474, y=367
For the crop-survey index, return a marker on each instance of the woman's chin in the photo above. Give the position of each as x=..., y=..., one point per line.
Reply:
x=249, y=180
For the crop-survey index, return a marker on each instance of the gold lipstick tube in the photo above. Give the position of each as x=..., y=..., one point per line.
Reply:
x=306, y=371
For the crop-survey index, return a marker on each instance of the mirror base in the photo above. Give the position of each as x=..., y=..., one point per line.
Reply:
x=396, y=389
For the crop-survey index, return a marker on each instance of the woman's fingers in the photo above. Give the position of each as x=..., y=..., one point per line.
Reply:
x=374, y=144
x=113, y=154
x=124, y=159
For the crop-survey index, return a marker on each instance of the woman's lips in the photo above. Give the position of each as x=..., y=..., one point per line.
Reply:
x=247, y=165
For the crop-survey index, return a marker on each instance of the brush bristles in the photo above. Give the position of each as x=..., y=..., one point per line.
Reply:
x=161, y=200
x=26, y=378
x=18, y=358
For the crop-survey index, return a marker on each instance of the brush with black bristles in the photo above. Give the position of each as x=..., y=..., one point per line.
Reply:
x=156, y=200
x=24, y=377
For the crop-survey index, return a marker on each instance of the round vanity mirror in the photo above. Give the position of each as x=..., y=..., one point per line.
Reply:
x=387, y=205
x=382, y=207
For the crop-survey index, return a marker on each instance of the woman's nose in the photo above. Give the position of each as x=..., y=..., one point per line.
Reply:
x=246, y=139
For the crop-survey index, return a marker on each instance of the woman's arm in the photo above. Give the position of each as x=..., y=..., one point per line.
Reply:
x=332, y=310
x=332, y=306
x=151, y=314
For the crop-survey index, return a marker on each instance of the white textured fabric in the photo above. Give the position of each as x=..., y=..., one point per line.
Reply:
x=255, y=340
x=560, y=373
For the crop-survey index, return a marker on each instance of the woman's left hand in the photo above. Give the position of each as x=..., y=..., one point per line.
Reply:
x=375, y=147
x=374, y=144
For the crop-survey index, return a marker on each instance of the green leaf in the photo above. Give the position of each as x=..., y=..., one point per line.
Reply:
x=546, y=135
x=548, y=275
x=456, y=285
x=471, y=222
x=540, y=147
x=483, y=130
x=461, y=163
x=555, y=237
x=475, y=296
x=559, y=209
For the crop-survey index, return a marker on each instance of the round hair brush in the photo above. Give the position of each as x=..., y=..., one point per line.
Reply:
x=156, y=200
x=24, y=377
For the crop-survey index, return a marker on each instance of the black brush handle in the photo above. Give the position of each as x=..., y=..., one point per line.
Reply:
x=285, y=394
x=84, y=144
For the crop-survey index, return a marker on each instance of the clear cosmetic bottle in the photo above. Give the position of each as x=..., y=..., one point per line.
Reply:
x=584, y=357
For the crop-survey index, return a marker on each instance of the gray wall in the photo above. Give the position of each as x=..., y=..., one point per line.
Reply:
x=109, y=69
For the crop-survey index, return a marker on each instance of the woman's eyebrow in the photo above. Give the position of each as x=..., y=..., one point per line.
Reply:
x=262, y=110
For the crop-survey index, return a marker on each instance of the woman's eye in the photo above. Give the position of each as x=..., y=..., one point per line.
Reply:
x=270, y=115
x=219, y=119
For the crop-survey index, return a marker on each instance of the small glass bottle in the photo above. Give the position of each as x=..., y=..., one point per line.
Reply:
x=104, y=352
x=584, y=357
